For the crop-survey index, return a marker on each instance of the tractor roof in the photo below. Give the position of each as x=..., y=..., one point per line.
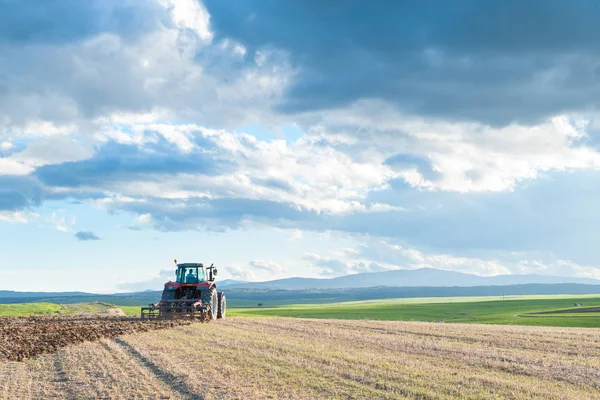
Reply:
x=187, y=265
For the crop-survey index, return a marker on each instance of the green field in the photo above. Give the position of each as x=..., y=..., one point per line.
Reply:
x=513, y=310
x=486, y=310
x=12, y=310
x=131, y=310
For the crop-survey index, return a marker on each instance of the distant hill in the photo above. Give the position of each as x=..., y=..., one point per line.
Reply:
x=422, y=277
x=230, y=282
x=245, y=297
x=423, y=282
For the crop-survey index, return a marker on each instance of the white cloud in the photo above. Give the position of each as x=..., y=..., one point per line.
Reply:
x=6, y=145
x=168, y=86
x=143, y=221
x=17, y=217
x=144, y=218
x=149, y=281
x=295, y=235
x=467, y=156
x=241, y=273
x=555, y=267
x=61, y=222
x=343, y=262
x=190, y=14
x=149, y=85
x=12, y=167
x=311, y=177
x=51, y=150
x=271, y=267
x=569, y=268
x=372, y=254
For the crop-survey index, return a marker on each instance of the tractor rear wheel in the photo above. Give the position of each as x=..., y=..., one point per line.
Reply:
x=222, y=305
x=209, y=297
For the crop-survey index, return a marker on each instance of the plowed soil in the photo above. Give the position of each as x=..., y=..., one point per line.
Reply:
x=25, y=337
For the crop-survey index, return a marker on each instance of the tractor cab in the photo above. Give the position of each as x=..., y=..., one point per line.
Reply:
x=194, y=273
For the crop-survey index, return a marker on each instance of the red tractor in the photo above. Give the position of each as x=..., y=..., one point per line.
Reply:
x=192, y=295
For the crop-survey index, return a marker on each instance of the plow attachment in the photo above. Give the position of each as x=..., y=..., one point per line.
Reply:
x=175, y=309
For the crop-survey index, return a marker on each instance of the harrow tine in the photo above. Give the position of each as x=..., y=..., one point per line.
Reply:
x=173, y=312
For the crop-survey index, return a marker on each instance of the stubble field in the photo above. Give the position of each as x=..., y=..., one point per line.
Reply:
x=246, y=358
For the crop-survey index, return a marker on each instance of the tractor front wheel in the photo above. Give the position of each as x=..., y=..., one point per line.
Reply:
x=222, y=305
x=168, y=294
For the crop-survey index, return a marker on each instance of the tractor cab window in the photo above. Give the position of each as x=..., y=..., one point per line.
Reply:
x=190, y=275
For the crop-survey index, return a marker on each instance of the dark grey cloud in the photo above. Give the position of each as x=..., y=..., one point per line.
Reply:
x=489, y=61
x=46, y=72
x=115, y=162
x=18, y=192
x=70, y=60
x=201, y=213
x=62, y=21
x=85, y=236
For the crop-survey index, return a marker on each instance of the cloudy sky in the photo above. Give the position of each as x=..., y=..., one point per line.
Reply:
x=296, y=138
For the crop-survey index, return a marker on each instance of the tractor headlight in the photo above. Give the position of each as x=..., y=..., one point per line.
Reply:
x=169, y=287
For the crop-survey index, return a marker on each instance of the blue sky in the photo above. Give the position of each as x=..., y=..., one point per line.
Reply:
x=296, y=138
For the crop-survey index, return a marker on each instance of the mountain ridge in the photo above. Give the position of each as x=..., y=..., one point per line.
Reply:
x=422, y=277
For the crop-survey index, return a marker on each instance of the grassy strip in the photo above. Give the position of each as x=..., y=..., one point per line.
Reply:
x=514, y=310
x=25, y=309
x=13, y=310
x=487, y=312
x=131, y=310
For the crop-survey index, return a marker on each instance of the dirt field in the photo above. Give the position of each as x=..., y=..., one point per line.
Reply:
x=25, y=337
x=247, y=358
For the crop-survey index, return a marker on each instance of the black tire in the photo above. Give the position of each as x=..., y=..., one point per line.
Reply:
x=168, y=295
x=209, y=297
x=222, y=305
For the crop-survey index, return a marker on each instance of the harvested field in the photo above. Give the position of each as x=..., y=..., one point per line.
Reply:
x=247, y=358
x=24, y=337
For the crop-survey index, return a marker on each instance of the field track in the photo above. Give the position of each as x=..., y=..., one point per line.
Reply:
x=571, y=311
x=247, y=358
